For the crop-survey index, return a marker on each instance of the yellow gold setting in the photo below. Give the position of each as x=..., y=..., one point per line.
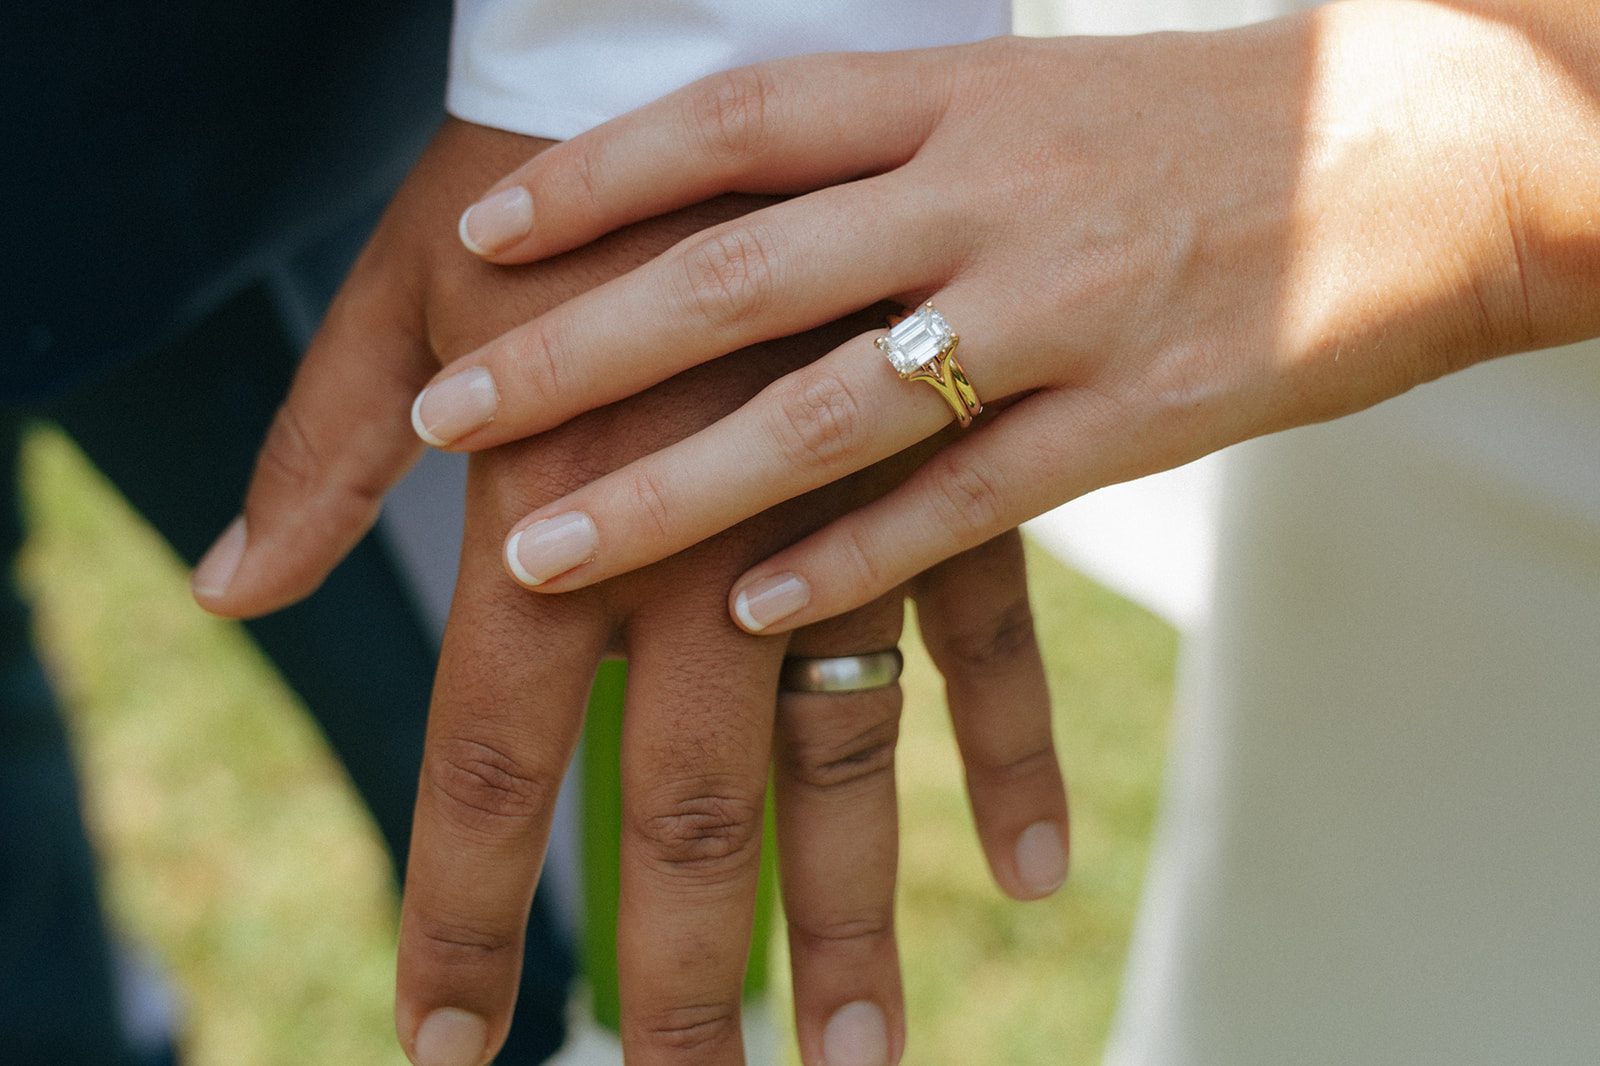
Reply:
x=922, y=347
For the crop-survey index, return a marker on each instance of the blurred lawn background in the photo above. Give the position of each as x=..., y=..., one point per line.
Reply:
x=235, y=851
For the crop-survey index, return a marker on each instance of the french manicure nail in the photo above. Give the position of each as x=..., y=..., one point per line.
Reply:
x=1041, y=863
x=497, y=222
x=856, y=1035
x=451, y=1037
x=448, y=410
x=552, y=546
x=215, y=572
x=771, y=600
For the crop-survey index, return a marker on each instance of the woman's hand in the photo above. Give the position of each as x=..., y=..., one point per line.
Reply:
x=1151, y=248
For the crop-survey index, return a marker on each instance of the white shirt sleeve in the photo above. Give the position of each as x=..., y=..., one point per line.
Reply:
x=554, y=68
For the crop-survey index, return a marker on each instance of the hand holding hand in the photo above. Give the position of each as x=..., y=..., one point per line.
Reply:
x=699, y=729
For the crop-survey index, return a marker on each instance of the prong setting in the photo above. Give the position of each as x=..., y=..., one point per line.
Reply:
x=918, y=340
x=922, y=347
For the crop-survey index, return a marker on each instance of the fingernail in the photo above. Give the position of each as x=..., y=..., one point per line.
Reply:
x=497, y=221
x=1041, y=863
x=770, y=600
x=857, y=1035
x=215, y=572
x=552, y=547
x=448, y=410
x=451, y=1037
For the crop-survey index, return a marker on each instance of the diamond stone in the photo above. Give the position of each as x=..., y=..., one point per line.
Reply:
x=917, y=339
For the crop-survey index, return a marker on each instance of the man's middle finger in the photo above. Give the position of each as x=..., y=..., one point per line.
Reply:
x=696, y=740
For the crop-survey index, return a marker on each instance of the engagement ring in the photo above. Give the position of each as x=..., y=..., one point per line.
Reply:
x=922, y=347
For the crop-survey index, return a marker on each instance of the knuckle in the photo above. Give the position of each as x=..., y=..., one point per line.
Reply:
x=537, y=356
x=837, y=934
x=691, y=1029
x=856, y=561
x=727, y=276
x=483, y=788
x=704, y=839
x=1002, y=769
x=965, y=497
x=818, y=422
x=731, y=110
x=830, y=760
x=288, y=457
x=587, y=170
x=993, y=647
x=647, y=500
x=456, y=942
x=292, y=461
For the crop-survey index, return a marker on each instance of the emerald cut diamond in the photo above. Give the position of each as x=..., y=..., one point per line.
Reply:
x=917, y=340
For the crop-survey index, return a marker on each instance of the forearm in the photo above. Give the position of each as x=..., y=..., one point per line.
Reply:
x=1554, y=169
x=1448, y=205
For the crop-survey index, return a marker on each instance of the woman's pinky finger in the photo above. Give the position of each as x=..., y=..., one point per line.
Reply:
x=977, y=623
x=1041, y=451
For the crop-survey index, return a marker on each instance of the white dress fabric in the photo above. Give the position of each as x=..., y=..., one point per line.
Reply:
x=1380, y=839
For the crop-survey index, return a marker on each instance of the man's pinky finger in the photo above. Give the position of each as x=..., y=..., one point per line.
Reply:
x=977, y=624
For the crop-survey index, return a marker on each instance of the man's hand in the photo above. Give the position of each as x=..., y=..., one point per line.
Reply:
x=516, y=669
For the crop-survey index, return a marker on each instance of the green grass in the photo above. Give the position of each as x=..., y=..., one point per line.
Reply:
x=231, y=842
x=991, y=980
x=234, y=849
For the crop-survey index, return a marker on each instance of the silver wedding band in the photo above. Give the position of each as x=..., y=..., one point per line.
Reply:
x=841, y=673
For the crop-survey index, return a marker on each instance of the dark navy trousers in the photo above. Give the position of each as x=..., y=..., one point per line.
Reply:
x=177, y=431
